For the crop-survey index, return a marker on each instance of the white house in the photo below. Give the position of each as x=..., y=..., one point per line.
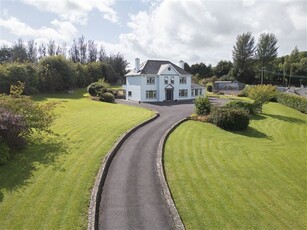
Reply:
x=156, y=80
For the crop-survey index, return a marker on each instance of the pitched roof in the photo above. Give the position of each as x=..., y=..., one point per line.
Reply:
x=153, y=66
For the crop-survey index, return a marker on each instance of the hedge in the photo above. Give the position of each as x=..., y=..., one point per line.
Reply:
x=296, y=102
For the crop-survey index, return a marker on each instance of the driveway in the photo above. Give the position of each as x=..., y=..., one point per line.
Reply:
x=132, y=195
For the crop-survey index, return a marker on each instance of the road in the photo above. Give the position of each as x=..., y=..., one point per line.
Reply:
x=132, y=195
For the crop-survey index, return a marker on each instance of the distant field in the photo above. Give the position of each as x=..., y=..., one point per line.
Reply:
x=247, y=180
x=48, y=186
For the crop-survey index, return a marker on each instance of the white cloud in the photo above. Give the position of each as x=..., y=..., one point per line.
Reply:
x=63, y=30
x=197, y=30
x=75, y=10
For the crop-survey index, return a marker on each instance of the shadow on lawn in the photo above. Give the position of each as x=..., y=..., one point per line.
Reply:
x=284, y=118
x=40, y=151
x=251, y=132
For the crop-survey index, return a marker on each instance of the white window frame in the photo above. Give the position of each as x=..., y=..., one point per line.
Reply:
x=151, y=94
x=183, y=93
x=151, y=80
x=183, y=80
x=172, y=80
x=166, y=80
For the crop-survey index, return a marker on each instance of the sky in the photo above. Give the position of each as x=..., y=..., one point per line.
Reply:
x=190, y=30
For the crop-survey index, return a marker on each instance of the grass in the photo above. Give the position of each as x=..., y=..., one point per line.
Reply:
x=48, y=185
x=254, y=179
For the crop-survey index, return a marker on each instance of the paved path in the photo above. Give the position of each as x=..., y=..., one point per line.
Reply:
x=131, y=197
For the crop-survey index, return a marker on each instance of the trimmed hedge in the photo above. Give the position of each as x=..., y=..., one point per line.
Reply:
x=96, y=88
x=296, y=102
x=230, y=118
x=249, y=107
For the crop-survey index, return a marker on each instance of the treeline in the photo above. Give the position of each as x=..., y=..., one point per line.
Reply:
x=253, y=63
x=50, y=67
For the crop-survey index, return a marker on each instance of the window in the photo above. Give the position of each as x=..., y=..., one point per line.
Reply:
x=150, y=80
x=183, y=93
x=165, y=80
x=183, y=80
x=172, y=80
x=151, y=94
x=129, y=93
x=193, y=92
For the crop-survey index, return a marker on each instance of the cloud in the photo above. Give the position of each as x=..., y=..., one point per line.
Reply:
x=75, y=10
x=197, y=30
x=62, y=30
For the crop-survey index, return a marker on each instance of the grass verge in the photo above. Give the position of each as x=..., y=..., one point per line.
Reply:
x=48, y=185
x=254, y=179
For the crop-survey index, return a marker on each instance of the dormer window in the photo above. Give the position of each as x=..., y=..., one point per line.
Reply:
x=165, y=80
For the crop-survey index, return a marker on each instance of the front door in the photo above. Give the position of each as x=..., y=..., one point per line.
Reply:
x=169, y=94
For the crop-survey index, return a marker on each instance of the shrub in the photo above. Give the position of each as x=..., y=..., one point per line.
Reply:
x=96, y=88
x=249, y=107
x=296, y=102
x=262, y=94
x=107, y=97
x=244, y=92
x=202, y=106
x=230, y=118
x=4, y=152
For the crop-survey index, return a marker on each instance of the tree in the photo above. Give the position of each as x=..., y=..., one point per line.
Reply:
x=102, y=54
x=19, y=51
x=5, y=54
x=266, y=51
x=243, y=57
x=222, y=68
x=42, y=50
x=186, y=67
x=74, y=52
x=92, y=51
x=32, y=51
x=51, y=48
x=82, y=49
x=202, y=70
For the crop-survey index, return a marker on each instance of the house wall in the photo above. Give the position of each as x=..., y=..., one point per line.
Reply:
x=133, y=84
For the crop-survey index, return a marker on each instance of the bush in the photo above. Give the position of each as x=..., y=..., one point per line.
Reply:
x=262, y=94
x=107, y=97
x=4, y=152
x=244, y=92
x=209, y=88
x=202, y=106
x=96, y=88
x=296, y=102
x=249, y=107
x=230, y=118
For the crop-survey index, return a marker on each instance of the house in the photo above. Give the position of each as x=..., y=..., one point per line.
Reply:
x=155, y=80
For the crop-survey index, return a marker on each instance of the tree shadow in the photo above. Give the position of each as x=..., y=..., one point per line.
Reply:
x=19, y=170
x=254, y=133
x=76, y=94
x=285, y=118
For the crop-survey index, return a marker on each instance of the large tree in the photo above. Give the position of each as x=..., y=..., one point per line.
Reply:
x=243, y=57
x=266, y=49
x=222, y=68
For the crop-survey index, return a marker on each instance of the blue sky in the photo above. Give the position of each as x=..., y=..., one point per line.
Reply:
x=191, y=30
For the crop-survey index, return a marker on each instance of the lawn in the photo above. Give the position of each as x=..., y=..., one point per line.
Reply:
x=48, y=185
x=254, y=179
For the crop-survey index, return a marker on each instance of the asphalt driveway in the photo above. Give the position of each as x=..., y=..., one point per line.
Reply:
x=132, y=195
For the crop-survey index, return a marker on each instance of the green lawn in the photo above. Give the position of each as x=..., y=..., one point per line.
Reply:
x=48, y=186
x=246, y=180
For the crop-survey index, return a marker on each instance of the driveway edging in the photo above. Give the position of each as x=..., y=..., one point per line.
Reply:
x=178, y=224
x=93, y=210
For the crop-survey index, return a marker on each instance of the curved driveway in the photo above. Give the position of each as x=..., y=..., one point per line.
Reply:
x=132, y=195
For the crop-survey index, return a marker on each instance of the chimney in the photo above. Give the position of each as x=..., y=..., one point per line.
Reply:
x=181, y=64
x=137, y=65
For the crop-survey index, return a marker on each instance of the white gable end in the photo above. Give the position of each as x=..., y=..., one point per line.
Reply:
x=167, y=69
